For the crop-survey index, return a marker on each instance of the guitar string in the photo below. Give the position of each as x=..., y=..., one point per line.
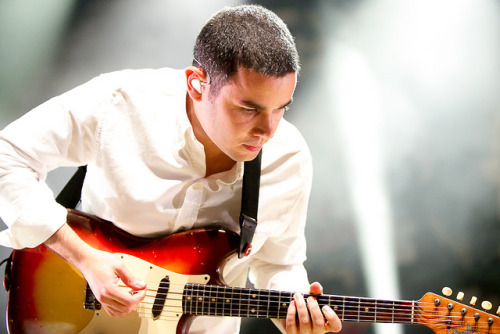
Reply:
x=380, y=305
x=249, y=291
x=442, y=324
x=364, y=316
x=355, y=302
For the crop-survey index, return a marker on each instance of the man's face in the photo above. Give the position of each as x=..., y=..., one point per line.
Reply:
x=245, y=113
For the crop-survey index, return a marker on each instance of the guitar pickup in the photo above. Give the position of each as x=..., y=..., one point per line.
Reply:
x=91, y=302
x=161, y=297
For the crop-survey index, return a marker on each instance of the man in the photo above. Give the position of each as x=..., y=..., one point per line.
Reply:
x=165, y=151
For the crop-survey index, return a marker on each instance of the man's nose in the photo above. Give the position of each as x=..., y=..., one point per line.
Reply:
x=265, y=126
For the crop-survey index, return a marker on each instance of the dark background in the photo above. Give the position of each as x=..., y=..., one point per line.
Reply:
x=397, y=99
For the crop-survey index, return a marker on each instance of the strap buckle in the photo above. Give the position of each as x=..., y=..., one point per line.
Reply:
x=248, y=226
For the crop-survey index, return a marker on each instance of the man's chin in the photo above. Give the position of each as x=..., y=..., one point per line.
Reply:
x=246, y=156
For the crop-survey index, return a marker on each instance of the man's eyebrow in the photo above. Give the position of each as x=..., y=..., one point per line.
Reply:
x=254, y=105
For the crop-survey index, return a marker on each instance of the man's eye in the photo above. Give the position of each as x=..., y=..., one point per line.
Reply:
x=249, y=110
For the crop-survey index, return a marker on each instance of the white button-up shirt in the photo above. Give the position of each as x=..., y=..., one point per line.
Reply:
x=146, y=173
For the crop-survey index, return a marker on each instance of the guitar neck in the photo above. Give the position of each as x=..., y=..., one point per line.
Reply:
x=216, y=300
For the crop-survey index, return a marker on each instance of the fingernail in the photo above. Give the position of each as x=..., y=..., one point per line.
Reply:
x=327, y=309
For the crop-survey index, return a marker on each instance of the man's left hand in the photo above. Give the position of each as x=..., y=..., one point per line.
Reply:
x=307, y=317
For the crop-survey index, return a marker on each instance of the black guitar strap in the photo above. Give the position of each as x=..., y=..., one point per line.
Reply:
x=71, y=193
x=249, y=204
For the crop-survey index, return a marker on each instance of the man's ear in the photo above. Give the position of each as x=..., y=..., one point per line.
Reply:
x=195, y=78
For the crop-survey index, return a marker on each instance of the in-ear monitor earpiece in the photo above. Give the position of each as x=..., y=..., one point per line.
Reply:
x=196, y=85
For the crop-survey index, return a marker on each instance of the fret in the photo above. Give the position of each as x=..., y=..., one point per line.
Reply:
x=230, y=302
x=196, y=299
x=239, y=306
x=219, y=302
x=201, y=299
x=404, y=314
x=392, y=321
x=263, y=304
x=189, y=299
x=238, y=297
x=359, y=309
x=385, y=311
x=367, y=312
x=223, y=304
x=184, y=300
x=343, y=309
x=253, y=305
x=351, y=309
x=279, y=305
x=274, y=305
x=269, y=305
x=211, y=300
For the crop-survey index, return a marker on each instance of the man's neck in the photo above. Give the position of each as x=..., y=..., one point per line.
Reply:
x=216, y=161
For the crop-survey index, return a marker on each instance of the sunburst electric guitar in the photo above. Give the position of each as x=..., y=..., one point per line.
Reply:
x=183, y=273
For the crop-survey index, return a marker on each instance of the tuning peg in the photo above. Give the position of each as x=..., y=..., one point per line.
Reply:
x=498, y=311
x=460, y=296
x=447, y=291
x=473, y=300
x=486, y=305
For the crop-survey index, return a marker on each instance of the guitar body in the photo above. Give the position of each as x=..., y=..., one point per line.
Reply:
x=47, y=294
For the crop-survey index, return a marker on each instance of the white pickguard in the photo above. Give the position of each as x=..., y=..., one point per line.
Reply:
x=141, y=321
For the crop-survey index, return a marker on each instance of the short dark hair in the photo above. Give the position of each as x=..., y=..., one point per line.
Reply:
x=247, y=35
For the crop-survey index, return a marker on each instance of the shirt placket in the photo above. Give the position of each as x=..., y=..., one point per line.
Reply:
x=190, y=208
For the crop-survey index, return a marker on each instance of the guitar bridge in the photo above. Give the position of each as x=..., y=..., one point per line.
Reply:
x=91, y=302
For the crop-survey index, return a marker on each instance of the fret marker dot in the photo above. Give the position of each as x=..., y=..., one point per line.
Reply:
x=367, y=309
x=189, y=298
x=284, y=305
x=227, y=300
x=336, y=308
x=200, y=299
x=213, y=299
x=254, y=295
x=253, y=310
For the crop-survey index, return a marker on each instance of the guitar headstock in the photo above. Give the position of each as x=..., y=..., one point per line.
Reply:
x=446, y=316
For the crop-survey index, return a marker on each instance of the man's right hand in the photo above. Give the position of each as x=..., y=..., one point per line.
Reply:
x=103, y=272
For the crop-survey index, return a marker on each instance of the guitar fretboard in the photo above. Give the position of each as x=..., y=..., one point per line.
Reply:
x=216, y=300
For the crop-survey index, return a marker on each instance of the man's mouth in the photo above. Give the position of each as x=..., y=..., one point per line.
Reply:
x=252, y=148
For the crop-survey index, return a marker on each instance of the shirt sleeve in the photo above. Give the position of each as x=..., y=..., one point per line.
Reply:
x=279, y=263
x=60, y=132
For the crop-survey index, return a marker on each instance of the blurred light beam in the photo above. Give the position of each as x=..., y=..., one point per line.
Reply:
x=358, y=109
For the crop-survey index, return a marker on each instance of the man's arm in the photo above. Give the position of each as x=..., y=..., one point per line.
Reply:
x=102, y=270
